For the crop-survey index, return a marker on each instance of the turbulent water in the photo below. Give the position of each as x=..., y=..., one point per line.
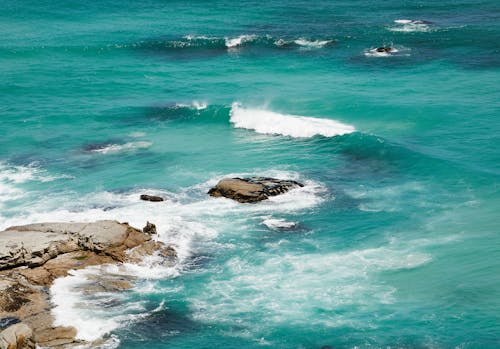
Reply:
x=392, y=242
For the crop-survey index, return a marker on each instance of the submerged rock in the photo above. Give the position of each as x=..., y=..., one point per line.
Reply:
x=254, y=189
x=152, y=198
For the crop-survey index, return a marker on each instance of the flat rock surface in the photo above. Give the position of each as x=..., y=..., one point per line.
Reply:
x=34, y=244
x=253, y=189
x=33, y=256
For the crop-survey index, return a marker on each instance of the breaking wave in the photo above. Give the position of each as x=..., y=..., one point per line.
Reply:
x=268, y=122
x=233, y=42
x=189, y=221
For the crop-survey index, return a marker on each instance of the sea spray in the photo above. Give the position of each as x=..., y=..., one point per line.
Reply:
x=268, y=122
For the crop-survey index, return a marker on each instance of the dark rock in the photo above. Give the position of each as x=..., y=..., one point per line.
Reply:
x=150, y=228
x=254, y=189
x=153, y=198
x=384, y=49
x=8, y=321
x=13, y=298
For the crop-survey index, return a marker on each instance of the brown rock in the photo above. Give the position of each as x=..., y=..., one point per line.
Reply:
x=14, y=297
x=152, y=198
x=254, y=189
x=18, y=336
x=33, y=256
x=150, y=228
x=54, y=336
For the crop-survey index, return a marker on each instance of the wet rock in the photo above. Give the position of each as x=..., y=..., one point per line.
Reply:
x=384, y=49
x=152, y=198
x=168, y=253
x=150, y=228
x=18, y=336
x=8, y=321
x=33, y=256
x=254, y=189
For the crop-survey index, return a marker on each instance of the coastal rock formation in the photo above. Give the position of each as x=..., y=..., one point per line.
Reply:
x=152, y=198
x=254, y=189
x=33, y=256
x=34, y=244
x=150, y=228
x=18, y=336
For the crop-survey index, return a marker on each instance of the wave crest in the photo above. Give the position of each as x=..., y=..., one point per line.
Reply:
x=268, y=122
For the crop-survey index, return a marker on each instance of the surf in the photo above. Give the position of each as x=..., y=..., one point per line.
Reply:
x=269, y=122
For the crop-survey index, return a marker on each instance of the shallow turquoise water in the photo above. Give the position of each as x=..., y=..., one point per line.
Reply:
x=396, y=239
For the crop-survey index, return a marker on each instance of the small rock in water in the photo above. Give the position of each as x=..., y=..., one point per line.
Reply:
x=384, y=49
x=150, y=228
x=254, y=189
x=152, y=198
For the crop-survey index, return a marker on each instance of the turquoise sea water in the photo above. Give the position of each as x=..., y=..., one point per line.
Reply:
x=395, y=240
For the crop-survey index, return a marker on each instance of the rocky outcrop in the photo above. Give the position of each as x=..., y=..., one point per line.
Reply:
x=33, y=256
x=384, y=49
x=33, y=245
x=254, y=189
x=18, y=336
x=152, y=198
x=150, y=228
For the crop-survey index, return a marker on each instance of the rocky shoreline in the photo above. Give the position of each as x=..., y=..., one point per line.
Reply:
x=33, y=256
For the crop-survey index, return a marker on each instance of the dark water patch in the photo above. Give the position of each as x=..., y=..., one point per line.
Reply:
x=187, y=113
x=161, y=325
x=198, y=262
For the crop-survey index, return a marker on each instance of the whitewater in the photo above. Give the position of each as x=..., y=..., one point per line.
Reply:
x=386, y=112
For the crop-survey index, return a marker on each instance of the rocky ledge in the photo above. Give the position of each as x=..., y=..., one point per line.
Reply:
x=253, y=189
x=33, y=256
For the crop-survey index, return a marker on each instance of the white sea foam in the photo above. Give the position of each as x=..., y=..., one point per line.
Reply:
x=199, y=37
x=409, y=25
x=268, y=122
x=116, y=148
x=238, y=41
x=190, y=225
x=75, y=305
x=195, y=105
x=278, y=223
x=312, y=43
x=13, y=176
x=290, y=289
x=137, y=134
x=387, y=198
